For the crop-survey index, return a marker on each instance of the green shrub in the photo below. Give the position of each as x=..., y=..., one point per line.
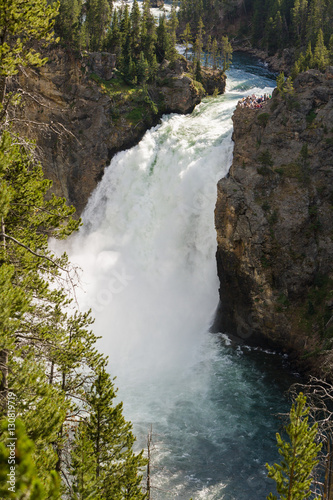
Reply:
x=263, y=119
x=311, y=116
x=266, y=158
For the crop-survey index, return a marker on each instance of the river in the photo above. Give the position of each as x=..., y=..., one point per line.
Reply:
x=147, y=250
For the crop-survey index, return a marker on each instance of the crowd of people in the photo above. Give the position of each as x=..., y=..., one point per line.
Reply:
x=254, y=102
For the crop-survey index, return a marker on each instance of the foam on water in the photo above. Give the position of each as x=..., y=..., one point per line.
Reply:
x=147, y=250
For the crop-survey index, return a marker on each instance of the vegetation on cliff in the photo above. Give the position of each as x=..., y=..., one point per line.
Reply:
x=83, y=107
x=132, y=35
x=138, y=44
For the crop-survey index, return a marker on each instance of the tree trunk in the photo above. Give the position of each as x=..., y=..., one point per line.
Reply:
x=330, y=476
x=59, y=452
x=4, y=378
x=3, y=86
x=149, y=440
x=3, y=352
x=51, y=373
x=60, y=435
x=328, y=481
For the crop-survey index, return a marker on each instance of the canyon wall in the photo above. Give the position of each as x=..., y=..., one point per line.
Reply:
x=274, y=221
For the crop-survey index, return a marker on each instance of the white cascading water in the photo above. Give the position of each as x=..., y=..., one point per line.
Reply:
x=147, y=251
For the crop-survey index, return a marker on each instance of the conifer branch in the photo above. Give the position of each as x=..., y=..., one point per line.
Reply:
x=4, y=235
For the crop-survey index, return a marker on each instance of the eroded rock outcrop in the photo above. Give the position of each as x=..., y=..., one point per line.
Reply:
x=274, y=221
x=213, y=80
x=156, y=3
x=282, y=61
x=80, y=119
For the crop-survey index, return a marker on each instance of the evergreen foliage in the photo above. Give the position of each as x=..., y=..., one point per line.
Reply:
x=102, y=460
x=268, y=25
x=112, y=439
x=97, y=22
x=48, y=356
x=299, y=455
x=284, y=85
x=52, y=362
x=69, y=20
x=27, y=484
x=21, y=25
x=131, y=34
x=217, y=53
x=187, y=38
x=164, y=47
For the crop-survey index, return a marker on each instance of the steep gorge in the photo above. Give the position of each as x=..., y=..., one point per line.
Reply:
x=275, y=227
x=273, y=213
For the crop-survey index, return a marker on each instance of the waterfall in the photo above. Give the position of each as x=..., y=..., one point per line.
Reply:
x=147, y=251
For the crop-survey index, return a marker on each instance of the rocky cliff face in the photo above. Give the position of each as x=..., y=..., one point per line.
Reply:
x=277, y=63
x=275, y=226
x=80, y=117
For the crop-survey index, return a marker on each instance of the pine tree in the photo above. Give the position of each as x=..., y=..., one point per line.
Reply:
x=153, y=68
x=303, y=18
x=288, y=87
x=21, y=24
x=149, y=38
x=258, y=22
x=125, y=61
x=67, y=24
x=299, y=455
x=214, y=53
x=51, y=355
x=315, y=20
x=295, y=71
x=125, y=24
x=280, y=82
x=85, y=484
x=164, y=42
x=226, y=53
x=321, y=55
x=25, y=264
x=142, y=69
x=278, y=30
x=47, y=353
x=113, y=40
x=187, y=38
x=25, y=232
x=198, y=74
x=308, y=59
x=98, y=20
x=298, y=21
x=330, y=49
x=117, y=465
x=198, y=45
x=173, y=22
x=208, y=50
x=135, y=19
x=24, y=483
x=13, y=304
